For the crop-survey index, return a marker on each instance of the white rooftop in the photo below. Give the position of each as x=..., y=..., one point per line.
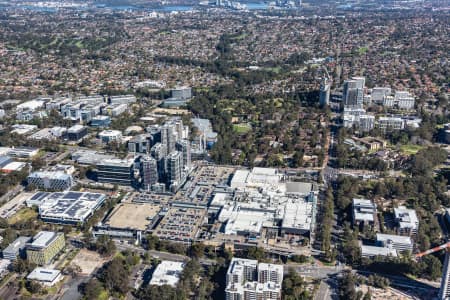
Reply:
x=167, y=273
x=31, y=105
x=42, y=274
x=407, y=218
x=375, y=251
x=399, y=239
x=364, y=210
x=43, y=239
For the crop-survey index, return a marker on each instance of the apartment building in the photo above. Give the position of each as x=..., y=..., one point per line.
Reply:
x=248, y=280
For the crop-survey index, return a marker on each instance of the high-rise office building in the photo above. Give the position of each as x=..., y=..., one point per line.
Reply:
x=169, y=137
x=158, y=152
x=174, y=168
x=116, y=171
x=324, y=94
x=149, y=172
x=184, y=146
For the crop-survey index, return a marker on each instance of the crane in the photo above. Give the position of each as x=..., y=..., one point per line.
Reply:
x=432, y=250
x=444, y=292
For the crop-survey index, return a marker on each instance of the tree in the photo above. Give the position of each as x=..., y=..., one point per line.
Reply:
x=347, y=287
x=92, y=289
x=257, y=253
x=33, y=287
x=197, y=250
x=115, y=276
x=105, y=245
x=294, y=287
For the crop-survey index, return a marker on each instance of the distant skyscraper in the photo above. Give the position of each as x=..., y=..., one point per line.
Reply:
x=149, y=172
x=324, y=95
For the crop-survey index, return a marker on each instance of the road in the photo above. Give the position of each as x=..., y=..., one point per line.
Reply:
x=405, y=282
x=162, y=255
x=70, y=288
x=314, y=271
x=324, y=292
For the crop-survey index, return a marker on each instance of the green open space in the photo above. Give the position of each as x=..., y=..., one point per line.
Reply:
x=363, y=50
x=410, y=149
x=241, y=128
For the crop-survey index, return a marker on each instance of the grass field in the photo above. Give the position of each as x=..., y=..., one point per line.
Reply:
x=23, y=215
x=410, y=149
x=241, y=128
x=363, y=50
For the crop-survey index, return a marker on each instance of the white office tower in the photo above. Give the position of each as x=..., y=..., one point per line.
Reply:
x=324, y=94
x=444, y=292
x=149, y=172
x=184, y=146
x=248, y=280
x=174, y=168
x=353, y=93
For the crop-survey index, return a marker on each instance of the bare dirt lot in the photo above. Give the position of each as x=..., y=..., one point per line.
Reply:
x=88, y=261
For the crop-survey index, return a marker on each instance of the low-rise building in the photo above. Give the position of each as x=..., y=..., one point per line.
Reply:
x=167, y=273
x=76, y=132
x=47, y=180
x=364, y=212
x=108, y=136
x=16, y=248
x=4, y=266
x=66, y=207
x=391, y=123
x=122, y=99
x=23, y=152
x=397, y=242
x=101, y=121
x=44, y=247
x=407, y=221
x=373, y=251
x=47, y=277
x=14, y=166
x=22, y=129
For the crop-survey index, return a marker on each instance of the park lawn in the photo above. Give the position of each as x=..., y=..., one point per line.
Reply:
x=363, y=50
x=276, y=70
x=22, y=215
x=79, y=44
x=241, y=128
x=410, y=149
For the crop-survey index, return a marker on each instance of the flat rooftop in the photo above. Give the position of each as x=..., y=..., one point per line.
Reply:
x=42, y=274
x=69, y=206
x=136, y=216
x=167, y=272
x=43, y=239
